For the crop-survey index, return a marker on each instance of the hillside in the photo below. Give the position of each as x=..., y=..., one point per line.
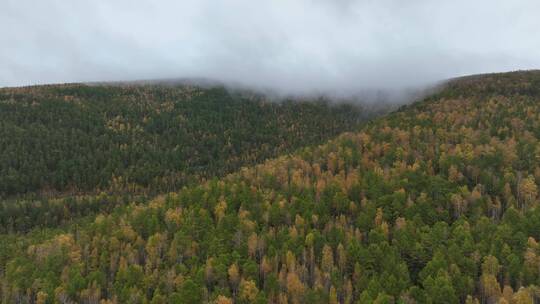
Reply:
x=434, y=203
x=149, y=137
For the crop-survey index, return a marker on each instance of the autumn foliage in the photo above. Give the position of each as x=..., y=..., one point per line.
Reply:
x=434, y=203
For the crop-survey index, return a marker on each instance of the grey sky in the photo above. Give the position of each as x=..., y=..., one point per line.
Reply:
x=295, y=46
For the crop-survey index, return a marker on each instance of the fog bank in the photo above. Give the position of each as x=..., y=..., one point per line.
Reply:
x=293, y=47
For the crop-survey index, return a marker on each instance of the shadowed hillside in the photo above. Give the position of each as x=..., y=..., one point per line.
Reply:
x=149, y=137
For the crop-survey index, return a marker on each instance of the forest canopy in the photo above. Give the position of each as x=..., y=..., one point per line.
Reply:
x=79, y=138
x=434, y=203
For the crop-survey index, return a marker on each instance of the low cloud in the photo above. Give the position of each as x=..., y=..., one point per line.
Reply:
x=293, y=47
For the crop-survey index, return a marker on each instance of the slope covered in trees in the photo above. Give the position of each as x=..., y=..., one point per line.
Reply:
x=140, y=137
x=435, y=203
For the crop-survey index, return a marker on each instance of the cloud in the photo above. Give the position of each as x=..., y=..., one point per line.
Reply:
x=295, y=47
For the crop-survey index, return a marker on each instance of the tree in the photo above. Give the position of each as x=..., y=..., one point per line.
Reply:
x=440, y=289
x=248, y=291
x=454, y=175
x=333, y=296
x=522, y=296
x=327, y=262
x=341, y=257
x=508, y=294
x=384, y=299
x=234, y=276
x=41, y=297
x=528, y=191
x=295, y=287
x=252, y=244
x=209, y=272
x=223, y=300
x=190, y=292
x=219, y=210
x=491, y=289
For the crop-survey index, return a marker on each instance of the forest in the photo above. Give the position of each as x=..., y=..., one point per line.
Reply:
x=436, y=202
x=149, y=138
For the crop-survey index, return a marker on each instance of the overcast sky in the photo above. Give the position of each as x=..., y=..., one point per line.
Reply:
x=292, y=45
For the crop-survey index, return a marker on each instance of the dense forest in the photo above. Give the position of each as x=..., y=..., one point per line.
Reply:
x=437, y=202
x=153, y=138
